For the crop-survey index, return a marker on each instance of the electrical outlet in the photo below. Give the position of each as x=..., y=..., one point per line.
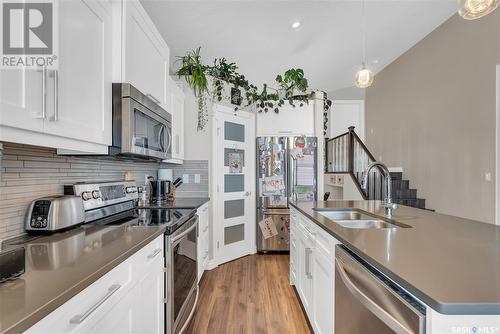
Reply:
x=185, y=178
x=197, y=178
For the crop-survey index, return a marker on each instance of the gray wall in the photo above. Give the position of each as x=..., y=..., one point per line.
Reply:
x=29, y=172
x=432, y=112
x=348, y=93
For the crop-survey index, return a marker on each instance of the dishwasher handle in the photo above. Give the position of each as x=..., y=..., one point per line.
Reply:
x=372, y=306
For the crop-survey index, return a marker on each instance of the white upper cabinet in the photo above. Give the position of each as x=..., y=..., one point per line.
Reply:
x=81, y=104
x=141, y=56
x=177, y=110
x=21, y=99
x=70, y=107
x=289, y=121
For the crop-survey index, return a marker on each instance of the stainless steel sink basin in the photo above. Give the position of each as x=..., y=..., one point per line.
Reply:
x=357, y=219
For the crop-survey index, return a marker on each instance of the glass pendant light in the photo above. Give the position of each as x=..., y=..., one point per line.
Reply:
x=364, y=78
x=475, y=9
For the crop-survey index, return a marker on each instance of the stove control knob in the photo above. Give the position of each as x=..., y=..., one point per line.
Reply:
x=96, y=194
x=86, y=195
x=131, y=190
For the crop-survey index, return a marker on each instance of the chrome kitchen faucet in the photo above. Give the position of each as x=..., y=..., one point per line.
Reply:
x=388, y=205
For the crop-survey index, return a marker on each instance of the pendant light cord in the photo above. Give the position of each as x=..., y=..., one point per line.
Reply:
x=363, y=17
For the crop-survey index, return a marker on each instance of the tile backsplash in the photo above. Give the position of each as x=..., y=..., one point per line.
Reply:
x=29, y=172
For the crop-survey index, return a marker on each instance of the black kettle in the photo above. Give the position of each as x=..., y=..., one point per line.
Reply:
x=160, y=189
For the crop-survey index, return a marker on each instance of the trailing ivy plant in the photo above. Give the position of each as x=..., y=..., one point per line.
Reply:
x=292, y=86
x=194, y=72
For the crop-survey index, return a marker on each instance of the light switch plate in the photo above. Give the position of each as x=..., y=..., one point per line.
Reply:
x=185, y=178
x=197, y=178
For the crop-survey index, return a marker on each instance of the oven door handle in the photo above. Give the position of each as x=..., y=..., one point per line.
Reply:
x=183, y=234
x=367, y=302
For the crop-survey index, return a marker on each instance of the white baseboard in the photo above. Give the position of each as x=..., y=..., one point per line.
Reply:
x=212, y=264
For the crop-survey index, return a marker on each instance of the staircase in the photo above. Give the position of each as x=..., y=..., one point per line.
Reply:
x=347, y=154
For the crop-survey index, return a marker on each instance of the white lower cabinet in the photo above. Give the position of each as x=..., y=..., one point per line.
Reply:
x=203, y=238
x=312, y=259
x=323, y=294
x=128, y=299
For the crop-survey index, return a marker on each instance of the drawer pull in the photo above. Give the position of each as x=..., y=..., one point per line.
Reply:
x=79, y=318
x=155, y=252
x=205, y=229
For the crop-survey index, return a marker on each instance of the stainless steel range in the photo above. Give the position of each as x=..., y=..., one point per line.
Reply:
x=114, y=203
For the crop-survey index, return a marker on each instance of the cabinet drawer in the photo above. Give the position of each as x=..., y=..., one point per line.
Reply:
x=144, y=257
x=324, y=242
x=82, y=311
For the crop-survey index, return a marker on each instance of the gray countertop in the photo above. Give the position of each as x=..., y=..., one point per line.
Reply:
x=449, y=263
x=179, y=203
x=60, y=266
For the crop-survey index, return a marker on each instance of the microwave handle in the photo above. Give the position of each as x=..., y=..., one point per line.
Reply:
x=168, y=136
x=160, y=138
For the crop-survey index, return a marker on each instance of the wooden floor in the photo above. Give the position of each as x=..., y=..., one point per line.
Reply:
x=249, y=295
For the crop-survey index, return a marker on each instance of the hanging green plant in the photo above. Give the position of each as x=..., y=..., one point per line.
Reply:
x=292, y=87
x=194, y=72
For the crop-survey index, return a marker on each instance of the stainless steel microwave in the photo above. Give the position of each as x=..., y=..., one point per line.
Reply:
x=141, y=127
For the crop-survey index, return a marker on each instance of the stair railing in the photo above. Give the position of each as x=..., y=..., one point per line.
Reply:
x=347, y=154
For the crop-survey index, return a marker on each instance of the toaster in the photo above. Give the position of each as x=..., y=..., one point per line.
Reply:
x=56, y=213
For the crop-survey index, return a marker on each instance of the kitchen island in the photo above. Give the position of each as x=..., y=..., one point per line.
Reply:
x=450, y=264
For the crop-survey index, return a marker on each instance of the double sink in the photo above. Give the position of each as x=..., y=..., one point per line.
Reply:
x=356, y=219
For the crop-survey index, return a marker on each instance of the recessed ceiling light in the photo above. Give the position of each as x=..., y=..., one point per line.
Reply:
x=296, y=24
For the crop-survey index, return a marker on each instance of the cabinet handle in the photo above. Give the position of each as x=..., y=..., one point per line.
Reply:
x=205, y=229
x=206, y=255
x=308, y=263
x=44, y=93
x=155, y=252
x=177, y=144
x=309, y=230
x=56, y=97
x=79, y=318
x=152, y=97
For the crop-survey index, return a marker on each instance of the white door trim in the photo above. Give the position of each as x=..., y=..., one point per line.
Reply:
x=497, y=156
x=359, y=131
x=216, y=228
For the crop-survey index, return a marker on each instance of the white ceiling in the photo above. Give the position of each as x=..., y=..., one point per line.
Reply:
x=257, y=35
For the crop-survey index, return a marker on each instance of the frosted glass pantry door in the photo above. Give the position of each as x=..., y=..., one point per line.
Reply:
x=234, y=225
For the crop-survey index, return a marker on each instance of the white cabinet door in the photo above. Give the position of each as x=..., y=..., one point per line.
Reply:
x=141, y=310
x=323, y=294
x=289, y=121
x=145, y=55
x=21, y=99
x=305, y=271
x=79, y=103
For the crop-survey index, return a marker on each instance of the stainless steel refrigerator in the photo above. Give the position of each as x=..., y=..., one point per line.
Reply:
x=286, y=171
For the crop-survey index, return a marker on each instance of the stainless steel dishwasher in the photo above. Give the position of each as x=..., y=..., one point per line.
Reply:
x=368, y=302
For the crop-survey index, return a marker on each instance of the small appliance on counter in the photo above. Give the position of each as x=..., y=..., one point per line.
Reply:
x=56, y=213
x=12, y=263
x=160, y=190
